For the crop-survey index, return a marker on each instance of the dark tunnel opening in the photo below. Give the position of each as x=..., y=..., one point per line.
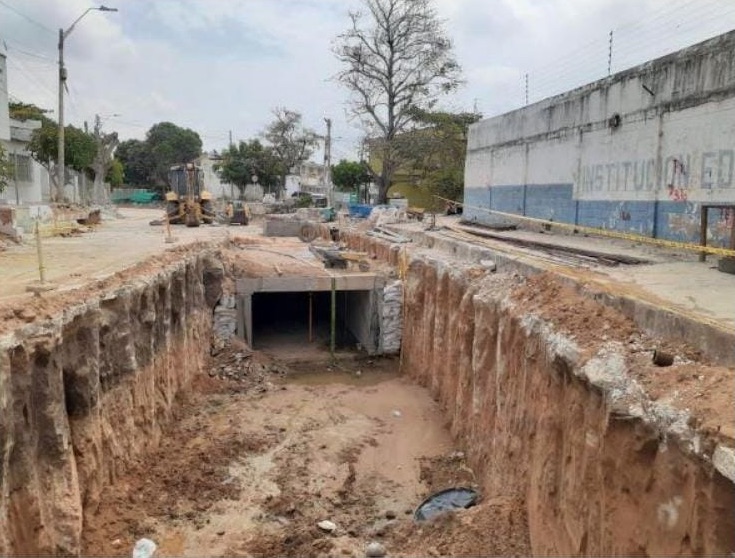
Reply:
x=283, y=319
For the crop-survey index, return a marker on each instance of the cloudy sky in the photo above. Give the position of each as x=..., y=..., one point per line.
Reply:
x=221, y=65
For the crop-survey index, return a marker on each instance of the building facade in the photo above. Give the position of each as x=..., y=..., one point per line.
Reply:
x=639, y=151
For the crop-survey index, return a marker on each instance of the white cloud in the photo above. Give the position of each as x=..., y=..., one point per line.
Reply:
x=220, y=65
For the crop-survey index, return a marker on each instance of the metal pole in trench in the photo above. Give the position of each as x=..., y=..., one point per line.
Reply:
x=311, y=317
x=334, y=316
x=39, y=250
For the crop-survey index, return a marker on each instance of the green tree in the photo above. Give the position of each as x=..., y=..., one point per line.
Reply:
x=25, y=111
x=169, y=145
x=434, y=152
x=79, y=147
x=348, y=176
x=290, y=142
x=136, y=161
x=246, y=159
x=395, y=56
x=79, y=150
x=6, y=168
x=115, y=174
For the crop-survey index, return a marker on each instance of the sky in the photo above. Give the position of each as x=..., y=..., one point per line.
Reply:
x=222, y=66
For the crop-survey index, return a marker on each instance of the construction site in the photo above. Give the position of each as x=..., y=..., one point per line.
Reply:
x=294, y=388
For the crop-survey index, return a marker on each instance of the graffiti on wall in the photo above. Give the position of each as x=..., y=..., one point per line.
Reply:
x=681, y=174
x=686, y=224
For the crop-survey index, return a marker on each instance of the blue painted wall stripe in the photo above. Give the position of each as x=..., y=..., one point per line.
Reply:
x=666, y=219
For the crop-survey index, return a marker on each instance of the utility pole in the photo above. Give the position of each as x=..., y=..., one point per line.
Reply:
x=230, y=138
x=62, y=84
x=328, y=162
x=526, y=88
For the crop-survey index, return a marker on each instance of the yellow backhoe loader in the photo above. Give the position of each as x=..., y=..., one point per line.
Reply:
x=187, y=201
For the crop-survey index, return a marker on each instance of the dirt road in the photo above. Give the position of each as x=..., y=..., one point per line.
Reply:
x=108, y=248
x=251, y=471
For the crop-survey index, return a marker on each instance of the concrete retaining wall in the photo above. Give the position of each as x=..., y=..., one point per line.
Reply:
x=638, y=151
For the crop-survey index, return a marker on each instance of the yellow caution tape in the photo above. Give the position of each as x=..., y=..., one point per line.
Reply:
x=607, y=232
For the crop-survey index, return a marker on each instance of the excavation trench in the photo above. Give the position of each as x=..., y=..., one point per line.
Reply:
x=128, y=416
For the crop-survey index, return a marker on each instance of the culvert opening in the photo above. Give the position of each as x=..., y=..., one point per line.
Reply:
x=297, y=320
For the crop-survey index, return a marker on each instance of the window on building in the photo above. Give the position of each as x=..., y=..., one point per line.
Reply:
x=23, y=168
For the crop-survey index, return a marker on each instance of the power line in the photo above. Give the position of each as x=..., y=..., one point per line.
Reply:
x=35, y=81
x=24, y=16
x=46, y=59
x=635, y=42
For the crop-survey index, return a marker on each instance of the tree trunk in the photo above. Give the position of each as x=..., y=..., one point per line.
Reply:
x=385, y=178
x=53, y=187
x=98, y=189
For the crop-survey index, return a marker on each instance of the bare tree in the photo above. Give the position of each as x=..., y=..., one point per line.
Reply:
x=396, y=57
x=290, y=141
x=106, y=144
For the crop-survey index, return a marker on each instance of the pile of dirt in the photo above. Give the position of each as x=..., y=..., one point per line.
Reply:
x=446, y=471
x=690, y=383
x=183, y=478
x=587, y=321
x=496, y=527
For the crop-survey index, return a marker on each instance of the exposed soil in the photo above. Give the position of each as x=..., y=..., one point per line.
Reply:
x=19, y=311
x=690, y=383
x=254, y=461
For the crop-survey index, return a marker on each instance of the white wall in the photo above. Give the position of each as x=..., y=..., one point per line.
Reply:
x=675, y=145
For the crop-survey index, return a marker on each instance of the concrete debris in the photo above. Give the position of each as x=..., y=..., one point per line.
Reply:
x=327, y=526
x=724, y=461
x=380, y=216
x=396, y=413
x=375, y=550
x=490, y=265
x=384, y=234
x=144, y=548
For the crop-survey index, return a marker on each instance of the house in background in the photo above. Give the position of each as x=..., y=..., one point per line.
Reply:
x=27, y=195
x=30, y=183
x=212, y=182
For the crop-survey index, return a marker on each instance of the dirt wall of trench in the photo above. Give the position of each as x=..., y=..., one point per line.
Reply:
x=596, y=481
x=86, y=391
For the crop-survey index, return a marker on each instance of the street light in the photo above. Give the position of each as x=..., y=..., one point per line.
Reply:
x=62, y=79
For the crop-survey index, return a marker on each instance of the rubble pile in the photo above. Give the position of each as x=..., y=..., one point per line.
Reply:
x=233, y=360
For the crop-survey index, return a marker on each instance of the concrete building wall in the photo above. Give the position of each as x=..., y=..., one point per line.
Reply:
x=638, y=151
x=212, y=182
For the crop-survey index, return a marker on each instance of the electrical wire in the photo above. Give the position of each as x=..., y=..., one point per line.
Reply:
x=585, y=63
x=26, y=17
x=42, y=57
x=30, y=77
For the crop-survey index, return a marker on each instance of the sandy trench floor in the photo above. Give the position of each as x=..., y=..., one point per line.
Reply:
x=251, y=469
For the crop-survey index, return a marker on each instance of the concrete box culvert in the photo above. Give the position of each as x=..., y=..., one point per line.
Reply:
x=367, y=310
